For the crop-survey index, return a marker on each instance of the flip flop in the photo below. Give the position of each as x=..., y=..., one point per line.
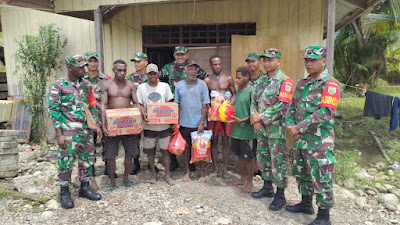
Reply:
x=228, y=178
x=107, y=190
x=213, y=176
x=128, y=185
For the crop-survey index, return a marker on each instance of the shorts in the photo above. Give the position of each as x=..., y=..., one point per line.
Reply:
x=218, y=127
x=149, y=141
x=185, y=131
x=241, y=148
x=130, y=143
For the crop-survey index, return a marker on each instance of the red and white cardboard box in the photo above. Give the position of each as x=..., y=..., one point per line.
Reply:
x=162, y=113
x=124, y=121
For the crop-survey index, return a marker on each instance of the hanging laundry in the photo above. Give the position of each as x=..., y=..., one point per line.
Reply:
x=394, y=118
x=377, y=105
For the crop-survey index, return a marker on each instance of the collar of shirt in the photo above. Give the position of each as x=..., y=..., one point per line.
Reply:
x=277, y=76
x=100, y=76
x=321, y=76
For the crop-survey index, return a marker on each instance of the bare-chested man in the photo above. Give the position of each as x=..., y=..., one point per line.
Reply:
x=222, y=89
x=118, y=93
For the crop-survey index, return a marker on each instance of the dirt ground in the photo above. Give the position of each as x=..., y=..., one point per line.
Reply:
x=212, y=202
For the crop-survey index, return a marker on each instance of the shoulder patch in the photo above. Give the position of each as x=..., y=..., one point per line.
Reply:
x=92, y=99
x=330, y=95
x=286, y=92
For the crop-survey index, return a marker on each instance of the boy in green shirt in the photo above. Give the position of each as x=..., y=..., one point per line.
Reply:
x=243, y=131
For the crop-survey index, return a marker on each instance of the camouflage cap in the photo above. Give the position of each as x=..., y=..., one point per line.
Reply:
x=180, y=49
x=76, y=60
x=152, y=68
x=139, y=56
x=315, y=52
x=89, y=55
x=253, y=56
x=272, y=53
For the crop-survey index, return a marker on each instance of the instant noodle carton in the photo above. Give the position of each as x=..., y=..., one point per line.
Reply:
x=124, y=121
x=162, y=113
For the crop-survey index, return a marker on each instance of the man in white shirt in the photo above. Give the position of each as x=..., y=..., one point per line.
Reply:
x=155, y=91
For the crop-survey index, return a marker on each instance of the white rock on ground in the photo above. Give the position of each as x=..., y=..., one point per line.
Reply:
x=389, y=199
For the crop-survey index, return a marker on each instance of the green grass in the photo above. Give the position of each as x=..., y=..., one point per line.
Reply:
x=354, y=124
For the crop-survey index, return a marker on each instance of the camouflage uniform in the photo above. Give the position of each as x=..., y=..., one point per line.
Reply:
x=135, y=77
x=96, y=81
x=173, y=73
x=313, y=156
x=253, y=80
x=267, y=101
x=67, y=113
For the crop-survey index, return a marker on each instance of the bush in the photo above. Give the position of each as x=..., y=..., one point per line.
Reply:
x=346, y=166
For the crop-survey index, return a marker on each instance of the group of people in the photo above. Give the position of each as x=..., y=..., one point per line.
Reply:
x=269, y=108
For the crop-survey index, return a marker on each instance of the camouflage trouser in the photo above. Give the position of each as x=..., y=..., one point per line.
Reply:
x=314, y=171
x=272, y=158
x=79, y=145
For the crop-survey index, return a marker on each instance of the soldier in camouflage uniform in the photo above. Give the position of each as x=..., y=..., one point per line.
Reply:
x=94, y=76
x=253, y=61
x=75, y=139
x=174, y=72
x=310, y=121
x=140, y=60
x=139, y=77
x=270, y=101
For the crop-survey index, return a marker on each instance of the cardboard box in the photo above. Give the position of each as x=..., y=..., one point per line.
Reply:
x=124, y=121
x=162, y=113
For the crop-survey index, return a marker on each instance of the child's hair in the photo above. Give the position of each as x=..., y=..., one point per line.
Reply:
x=243, y=70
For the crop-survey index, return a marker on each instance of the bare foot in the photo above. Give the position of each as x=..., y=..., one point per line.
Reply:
x=238, y=182
x=169, y=180
x=125, y=180
x=186, y=178
x=247, y=188
x=202, y=180
x=153, y=180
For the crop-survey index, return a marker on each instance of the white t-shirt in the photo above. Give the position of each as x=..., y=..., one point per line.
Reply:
x=160, y=93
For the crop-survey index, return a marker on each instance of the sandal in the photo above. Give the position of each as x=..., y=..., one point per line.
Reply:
x=228, y=178
x=107, y=190
x=128, y=185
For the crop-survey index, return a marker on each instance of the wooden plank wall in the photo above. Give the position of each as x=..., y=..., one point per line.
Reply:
x=16, y=22
x=301, y=19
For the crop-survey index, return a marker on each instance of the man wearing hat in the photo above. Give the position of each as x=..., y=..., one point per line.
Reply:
x=174, y=72
x=155, y=91
x=94, y=76
x=193, y=98
x=140, y=60
x=67, y=98
x=138, y=77
x=270, y=101
x=253, y=61
x=310, y=121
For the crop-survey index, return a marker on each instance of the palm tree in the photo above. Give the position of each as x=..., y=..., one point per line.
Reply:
x=360, y=47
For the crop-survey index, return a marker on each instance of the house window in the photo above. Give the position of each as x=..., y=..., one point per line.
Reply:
x=194, y=35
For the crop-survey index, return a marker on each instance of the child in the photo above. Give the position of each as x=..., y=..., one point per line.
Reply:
x=243, y=131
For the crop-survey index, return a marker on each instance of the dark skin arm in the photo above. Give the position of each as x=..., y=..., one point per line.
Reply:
x=134, y=97
x=103, y=107
x=232, y=90
x=200, y=128
x=61, y=141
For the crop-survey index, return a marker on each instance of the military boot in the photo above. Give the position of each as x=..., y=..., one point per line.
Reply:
x=173, y=165
x=86, y=192
x=65, y=198
x=267, y=191
x=305, y=206
x=136, y=166
x=279, y=200
x=322, y=217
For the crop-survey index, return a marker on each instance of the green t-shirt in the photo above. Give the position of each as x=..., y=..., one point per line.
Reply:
x=243, y=131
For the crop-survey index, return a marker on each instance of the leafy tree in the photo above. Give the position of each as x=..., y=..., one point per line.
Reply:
x=37, y=57
x=361, y=47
